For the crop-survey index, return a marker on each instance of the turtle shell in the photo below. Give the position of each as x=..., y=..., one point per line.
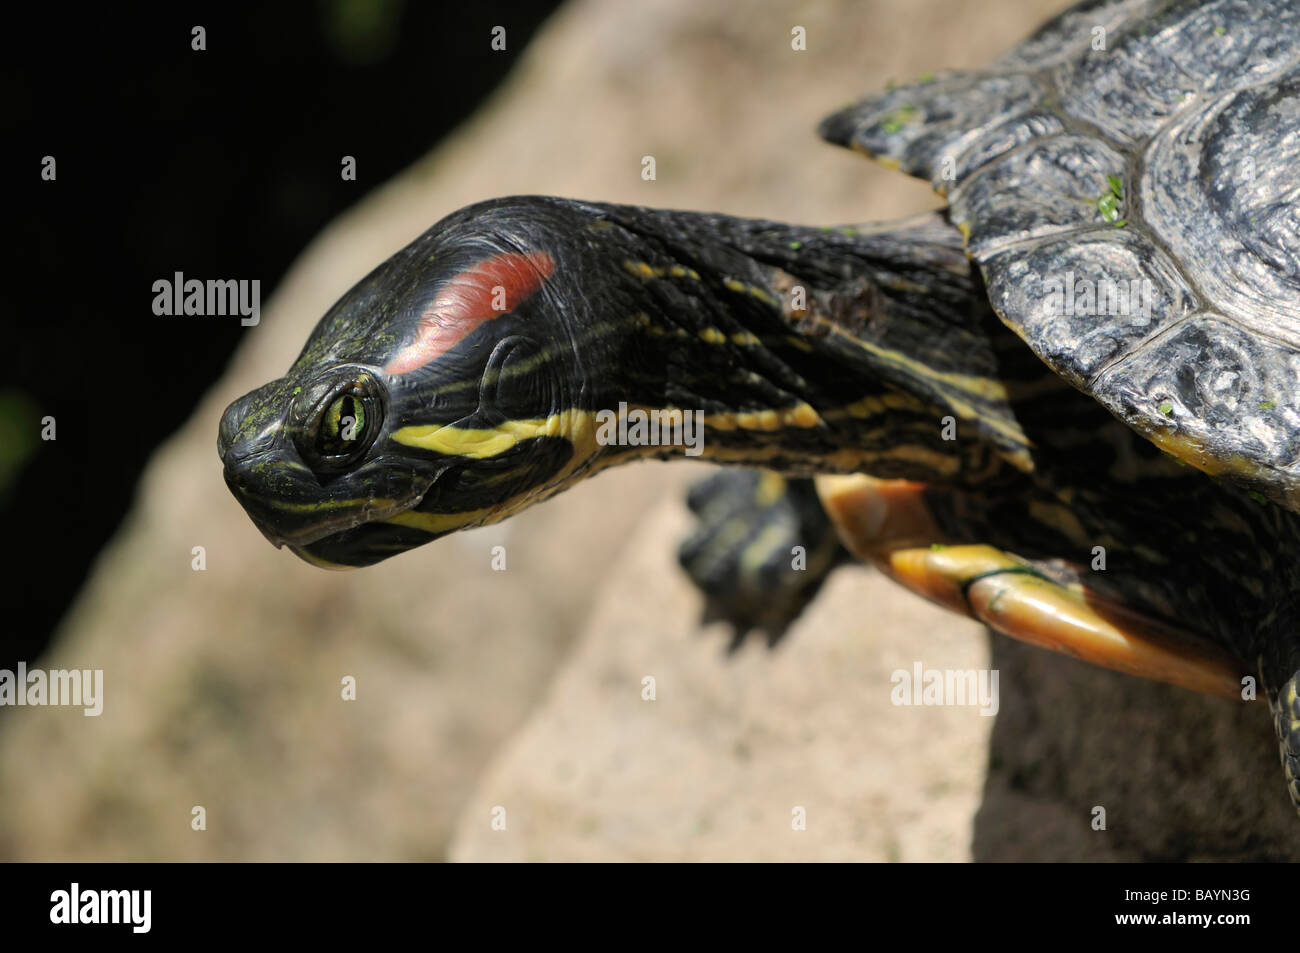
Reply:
x=1128, y=180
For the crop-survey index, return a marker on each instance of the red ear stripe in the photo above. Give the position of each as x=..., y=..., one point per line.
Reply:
x=465, y=302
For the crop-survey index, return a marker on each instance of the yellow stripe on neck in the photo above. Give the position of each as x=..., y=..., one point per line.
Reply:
x=486, y=442
x=579, y=427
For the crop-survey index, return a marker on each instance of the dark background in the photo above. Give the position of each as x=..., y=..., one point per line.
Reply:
x=218, y=164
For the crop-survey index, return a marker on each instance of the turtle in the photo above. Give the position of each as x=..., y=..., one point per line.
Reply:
x=1065, y=404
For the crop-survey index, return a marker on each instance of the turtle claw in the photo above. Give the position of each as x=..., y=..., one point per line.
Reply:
x=743, y=553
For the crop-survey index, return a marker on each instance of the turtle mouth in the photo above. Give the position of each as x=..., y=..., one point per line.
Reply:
x=293, y=511
x=365, y=513
x=364, y=535
x=359, y=546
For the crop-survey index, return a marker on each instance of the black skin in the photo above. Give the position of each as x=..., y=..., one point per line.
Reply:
x=696, y=311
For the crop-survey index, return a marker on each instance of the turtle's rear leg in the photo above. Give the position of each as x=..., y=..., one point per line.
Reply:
x=1043, y=601
x=761, y=551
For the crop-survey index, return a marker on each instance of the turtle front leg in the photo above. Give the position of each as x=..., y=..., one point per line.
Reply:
x=761, y=550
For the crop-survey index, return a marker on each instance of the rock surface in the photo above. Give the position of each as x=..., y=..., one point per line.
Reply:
x=719, y=765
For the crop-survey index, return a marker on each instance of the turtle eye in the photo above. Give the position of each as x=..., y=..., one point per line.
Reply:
x=342, y=426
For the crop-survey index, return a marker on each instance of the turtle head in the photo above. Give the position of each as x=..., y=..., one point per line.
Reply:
x=522, y=344
x=444, y=391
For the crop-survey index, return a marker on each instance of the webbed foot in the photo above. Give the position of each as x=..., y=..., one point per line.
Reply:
x=761, y=551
